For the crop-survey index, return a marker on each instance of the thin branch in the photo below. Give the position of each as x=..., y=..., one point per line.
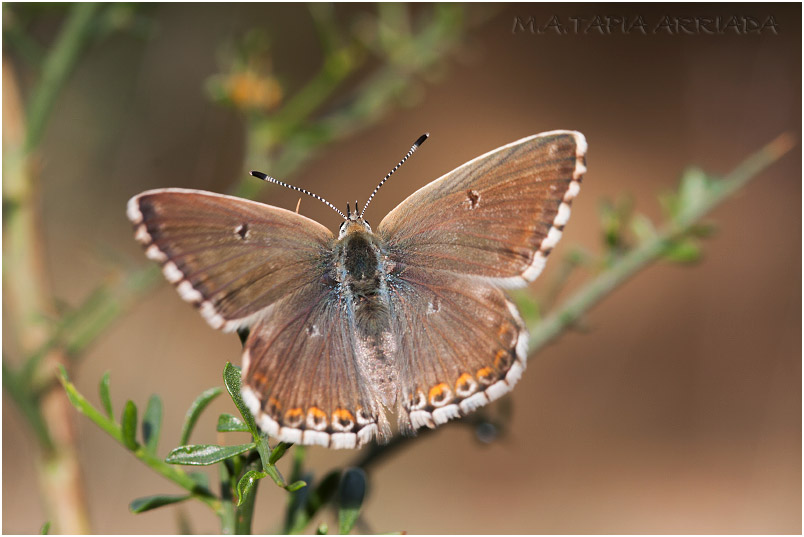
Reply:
x=76, y=33
x=114, y=430
x=652, y=250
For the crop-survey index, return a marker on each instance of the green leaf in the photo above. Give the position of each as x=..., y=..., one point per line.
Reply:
x=231, y=379
x=615, y=218
x=152, y=423
x=692, y=191
x=140, y=505
x=247, y=483
x=45, y=528
x=128, y=425
x=195, y=410
x=278, y=452
x=351, y=492
x=682, y=251
x=228, y=424
x=106, y=398
x=322, y=529
x=296, y=485
x=642, y=228
x=205, y=454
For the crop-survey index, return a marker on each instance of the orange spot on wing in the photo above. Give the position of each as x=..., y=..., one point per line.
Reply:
x=498, y=359
x=294, y=416
x=317, y=413
x=485, y=374
x=438, y=391
x=259, y=377
x=463, y=382
x=344, y=415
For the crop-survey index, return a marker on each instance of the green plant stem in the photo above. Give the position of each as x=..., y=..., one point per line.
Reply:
x=113, y=429
x=300, y=138
x=245, y=511
x=227, y=513
x=65, y=52
x=18, y=390
x=651, y=250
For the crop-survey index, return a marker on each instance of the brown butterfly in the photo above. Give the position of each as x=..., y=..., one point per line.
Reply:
x=410, y=318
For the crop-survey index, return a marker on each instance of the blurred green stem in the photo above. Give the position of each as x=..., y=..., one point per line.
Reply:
x=546, y=329
x=28, y=300
x=65, y=52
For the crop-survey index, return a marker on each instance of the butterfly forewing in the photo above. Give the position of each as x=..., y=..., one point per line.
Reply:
x=232, y=258
x=497, y=216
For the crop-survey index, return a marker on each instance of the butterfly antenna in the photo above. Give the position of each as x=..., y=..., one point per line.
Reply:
x=260, y=175
x=413, y=148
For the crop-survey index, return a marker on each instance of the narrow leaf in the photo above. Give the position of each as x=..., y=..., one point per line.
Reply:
x=296, y=485
x=72, y=393
x=683, y=251
x=278, y=452
x=351, y=492
x=195, y=410
x=205, y=454
x=128, y=425
x=231, y=379
x=247, y=484
x=152, y=423
x=140, y=505
x=693, y=189
x=105, y=397
x=643, y=228
x=45, y=528
x=85, y=407
x=229, y=424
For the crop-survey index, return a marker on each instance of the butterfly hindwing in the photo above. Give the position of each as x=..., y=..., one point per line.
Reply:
x=497, y=216
x=460, y=344
x=302, y=378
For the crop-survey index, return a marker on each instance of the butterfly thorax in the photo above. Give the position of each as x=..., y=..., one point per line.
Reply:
x=359, y=271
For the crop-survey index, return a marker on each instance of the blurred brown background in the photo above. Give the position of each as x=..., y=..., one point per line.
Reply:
x=676, y=408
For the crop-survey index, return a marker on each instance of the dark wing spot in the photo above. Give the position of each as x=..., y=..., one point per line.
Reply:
x=242, y=230
x=474, y=198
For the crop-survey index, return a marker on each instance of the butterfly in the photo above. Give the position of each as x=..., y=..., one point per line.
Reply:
x=409, y=319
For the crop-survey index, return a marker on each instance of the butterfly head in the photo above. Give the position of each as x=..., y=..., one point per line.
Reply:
x=354, y=222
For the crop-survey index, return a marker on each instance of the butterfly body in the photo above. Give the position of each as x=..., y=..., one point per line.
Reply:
x=409, y=319
x=362, y=271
